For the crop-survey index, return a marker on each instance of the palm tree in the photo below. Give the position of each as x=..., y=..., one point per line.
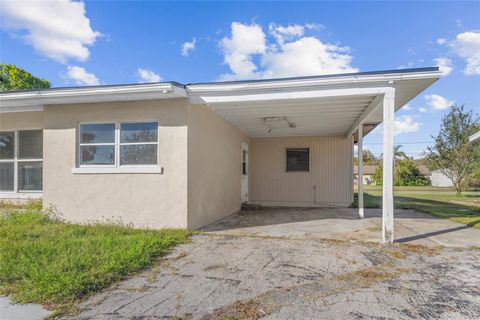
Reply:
x=397, y=154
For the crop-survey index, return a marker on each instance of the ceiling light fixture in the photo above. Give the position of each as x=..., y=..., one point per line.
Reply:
x=278, y=122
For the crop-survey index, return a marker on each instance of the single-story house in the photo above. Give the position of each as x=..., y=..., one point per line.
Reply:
x=369, y=171
x=172, y=155
x=439, y=179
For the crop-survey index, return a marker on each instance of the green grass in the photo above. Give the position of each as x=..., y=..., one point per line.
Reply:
x=47, y=261
x=30, y=204
x=439, y=202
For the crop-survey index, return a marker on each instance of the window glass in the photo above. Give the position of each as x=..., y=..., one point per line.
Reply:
x=97, y=133
x=29, y=175
x=7, y=139
x=97, y=154
x=298, y=159
x=30, y=144
x=138, y=154
x=138, y=132
x=6, y=176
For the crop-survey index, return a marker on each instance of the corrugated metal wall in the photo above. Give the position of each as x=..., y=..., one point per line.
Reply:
x=329, y=181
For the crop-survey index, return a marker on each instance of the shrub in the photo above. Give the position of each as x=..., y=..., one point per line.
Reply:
x=406, y=174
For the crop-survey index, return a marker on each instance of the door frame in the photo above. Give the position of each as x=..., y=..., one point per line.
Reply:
x=244, y=174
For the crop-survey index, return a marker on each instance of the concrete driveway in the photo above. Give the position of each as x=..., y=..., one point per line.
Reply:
x=343, y=224
x=288, y=264
x=244, y=277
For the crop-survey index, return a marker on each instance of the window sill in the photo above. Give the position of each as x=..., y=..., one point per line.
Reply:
x=20, y=195
x=100, y=170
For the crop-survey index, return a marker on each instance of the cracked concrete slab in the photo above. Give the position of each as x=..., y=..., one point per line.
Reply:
x=17, y=311
x=343, y=224
x=251, y=277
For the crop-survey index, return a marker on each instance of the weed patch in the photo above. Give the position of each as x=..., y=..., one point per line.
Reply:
x=45, y=260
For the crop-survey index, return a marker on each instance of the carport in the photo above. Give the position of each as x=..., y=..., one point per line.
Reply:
x=346, y=105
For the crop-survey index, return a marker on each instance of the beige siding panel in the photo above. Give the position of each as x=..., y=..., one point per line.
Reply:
x=329, y=181
x=214, y=166
x=145, y=200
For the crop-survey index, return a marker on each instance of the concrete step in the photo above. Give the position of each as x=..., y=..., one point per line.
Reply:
x=250, y=206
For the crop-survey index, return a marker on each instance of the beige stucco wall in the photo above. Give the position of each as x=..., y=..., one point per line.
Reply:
x=146, y=200
x=21, y=121
x=329, y=182
x=214, y=166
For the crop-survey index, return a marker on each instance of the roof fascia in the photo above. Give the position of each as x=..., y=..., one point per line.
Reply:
x=374, y=79
x=91, y=94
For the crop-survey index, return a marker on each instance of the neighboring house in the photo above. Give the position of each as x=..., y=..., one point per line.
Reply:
x=474, y=138
x=440, y=180
x=369, y=171
x=172, y=155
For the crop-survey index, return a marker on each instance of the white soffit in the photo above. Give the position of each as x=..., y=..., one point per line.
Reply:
x=316, y=105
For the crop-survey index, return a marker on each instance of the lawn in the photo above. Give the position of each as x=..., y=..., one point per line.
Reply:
x=439, y=202
x=47, y=261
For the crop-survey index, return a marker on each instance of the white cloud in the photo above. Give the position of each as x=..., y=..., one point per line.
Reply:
x=314, y=26
x=282, y=33
x=441, y=41
x=407, y=107
x=188, y=46
x=81, y=76
x=438, y=102
x=291, y=53
x=444, y=64
x=245, y=41
x=57, y=29
x=307, y=56
x=405, y=124
x=146, y=75
x=402, y=124
x=422, y=109
x=467, y=46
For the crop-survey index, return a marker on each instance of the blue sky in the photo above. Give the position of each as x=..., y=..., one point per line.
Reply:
x=126, y=42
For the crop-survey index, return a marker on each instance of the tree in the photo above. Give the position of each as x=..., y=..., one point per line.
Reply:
x=368, y=158
x=406, y=173
x=397, y=154
x=452, y=154
x=15, y=78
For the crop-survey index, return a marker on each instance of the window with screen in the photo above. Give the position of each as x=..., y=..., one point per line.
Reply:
x=298, y=159
x=118, y=144
x=21, y=161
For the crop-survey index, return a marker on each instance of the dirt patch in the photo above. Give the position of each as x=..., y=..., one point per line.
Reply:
x=474, y=203
x=421, y=249
x=367, y=277
x=242, y=310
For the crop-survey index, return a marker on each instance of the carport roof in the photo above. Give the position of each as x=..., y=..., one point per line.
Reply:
x=316, y=105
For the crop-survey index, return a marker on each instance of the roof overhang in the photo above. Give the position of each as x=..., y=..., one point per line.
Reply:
x=321, y=105
x=34, y=100
x=475, y=138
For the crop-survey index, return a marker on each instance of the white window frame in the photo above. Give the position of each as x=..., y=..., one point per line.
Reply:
x=116, y=167
x=16, y=193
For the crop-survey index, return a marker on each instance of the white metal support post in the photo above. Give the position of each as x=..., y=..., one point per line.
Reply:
x=388, y=131
x=360, y=171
